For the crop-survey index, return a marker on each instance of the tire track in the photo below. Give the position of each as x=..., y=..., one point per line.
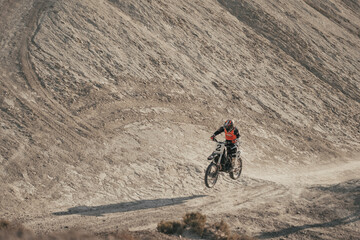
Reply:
x=34, y=82
x=44, y=107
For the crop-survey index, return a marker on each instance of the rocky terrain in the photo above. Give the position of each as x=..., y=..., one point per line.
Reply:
x=107, y=106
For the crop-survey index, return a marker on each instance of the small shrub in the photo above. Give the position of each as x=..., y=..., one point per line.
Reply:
x=14, y=231
x=196, y=221
x=221, y=231
x=223, y=227
x=4, y=224
x=170, y=227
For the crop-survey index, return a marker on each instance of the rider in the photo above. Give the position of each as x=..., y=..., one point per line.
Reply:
x=232, y=136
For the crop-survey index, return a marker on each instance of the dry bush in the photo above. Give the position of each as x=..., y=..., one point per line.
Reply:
x=170, y=227
x=4, y=224
x=221, y=231
x=196, y=221
x=222, y=227
x=14, y=231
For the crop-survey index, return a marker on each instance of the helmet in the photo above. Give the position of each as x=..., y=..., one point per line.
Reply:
x=228, y=125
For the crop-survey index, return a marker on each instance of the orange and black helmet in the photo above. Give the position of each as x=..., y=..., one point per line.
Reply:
x=228, y=125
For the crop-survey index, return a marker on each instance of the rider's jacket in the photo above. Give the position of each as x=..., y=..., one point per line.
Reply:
x=229, y=136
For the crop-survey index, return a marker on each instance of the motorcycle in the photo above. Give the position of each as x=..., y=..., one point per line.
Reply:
x=221, y=162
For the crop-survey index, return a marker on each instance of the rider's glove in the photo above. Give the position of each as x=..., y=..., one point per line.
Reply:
x=212, y=137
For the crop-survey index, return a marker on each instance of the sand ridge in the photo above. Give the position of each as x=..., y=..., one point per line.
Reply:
x=107, y=108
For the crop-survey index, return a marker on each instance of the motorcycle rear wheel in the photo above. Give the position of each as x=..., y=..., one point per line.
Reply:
x=211, y=175
x=237, y=170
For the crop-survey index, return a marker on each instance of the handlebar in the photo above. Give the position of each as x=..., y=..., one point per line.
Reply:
x=215, y=140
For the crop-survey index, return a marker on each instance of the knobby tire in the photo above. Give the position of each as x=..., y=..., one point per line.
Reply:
x=211, y=175
x=237, y=172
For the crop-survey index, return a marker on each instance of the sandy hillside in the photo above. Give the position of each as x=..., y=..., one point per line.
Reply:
x=107, y=106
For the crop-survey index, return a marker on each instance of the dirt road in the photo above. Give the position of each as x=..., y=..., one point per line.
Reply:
x=281, y=207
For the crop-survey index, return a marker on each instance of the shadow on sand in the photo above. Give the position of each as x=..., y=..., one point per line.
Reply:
x=125, y=206
x=291, y=230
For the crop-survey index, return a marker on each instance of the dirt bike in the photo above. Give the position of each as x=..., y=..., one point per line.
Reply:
x=221, y=162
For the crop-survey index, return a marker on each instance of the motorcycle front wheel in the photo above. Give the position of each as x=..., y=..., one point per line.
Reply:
x=237, y=169
x=211, y=175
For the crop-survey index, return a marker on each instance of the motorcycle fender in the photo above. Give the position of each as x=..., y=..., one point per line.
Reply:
x=213, y=156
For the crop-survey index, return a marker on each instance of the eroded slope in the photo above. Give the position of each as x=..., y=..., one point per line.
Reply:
x=108, y=100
